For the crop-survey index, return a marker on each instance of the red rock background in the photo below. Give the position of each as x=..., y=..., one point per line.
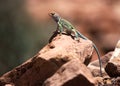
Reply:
x=99, y=20
x=25, y=26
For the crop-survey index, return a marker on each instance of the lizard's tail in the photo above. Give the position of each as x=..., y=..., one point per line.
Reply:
x=80, y=35
x=100, y=61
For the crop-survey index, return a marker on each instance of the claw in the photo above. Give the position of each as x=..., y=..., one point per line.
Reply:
x=77, y=39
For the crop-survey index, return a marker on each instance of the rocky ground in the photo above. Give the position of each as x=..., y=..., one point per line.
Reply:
x=66, y=62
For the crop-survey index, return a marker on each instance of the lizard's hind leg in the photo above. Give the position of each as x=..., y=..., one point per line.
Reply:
x=76, y=34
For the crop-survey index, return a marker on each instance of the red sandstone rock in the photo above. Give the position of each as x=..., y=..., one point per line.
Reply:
x=44, y=64
x=73, y=73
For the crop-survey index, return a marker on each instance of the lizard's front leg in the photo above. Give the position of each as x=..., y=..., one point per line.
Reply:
x=60, y=27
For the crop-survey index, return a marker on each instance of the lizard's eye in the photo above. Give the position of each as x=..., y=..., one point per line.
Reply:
x=52, y=13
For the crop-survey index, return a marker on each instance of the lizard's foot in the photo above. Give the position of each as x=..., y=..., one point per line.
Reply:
x=77, y=39
x=60, y=34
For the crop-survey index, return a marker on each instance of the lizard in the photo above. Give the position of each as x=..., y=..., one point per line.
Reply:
x=62, y=23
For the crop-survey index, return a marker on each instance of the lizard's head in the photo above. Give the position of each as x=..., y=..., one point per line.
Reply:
x=55, y=16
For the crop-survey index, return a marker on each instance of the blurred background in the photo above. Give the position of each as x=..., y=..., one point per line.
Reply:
x=25, y=26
